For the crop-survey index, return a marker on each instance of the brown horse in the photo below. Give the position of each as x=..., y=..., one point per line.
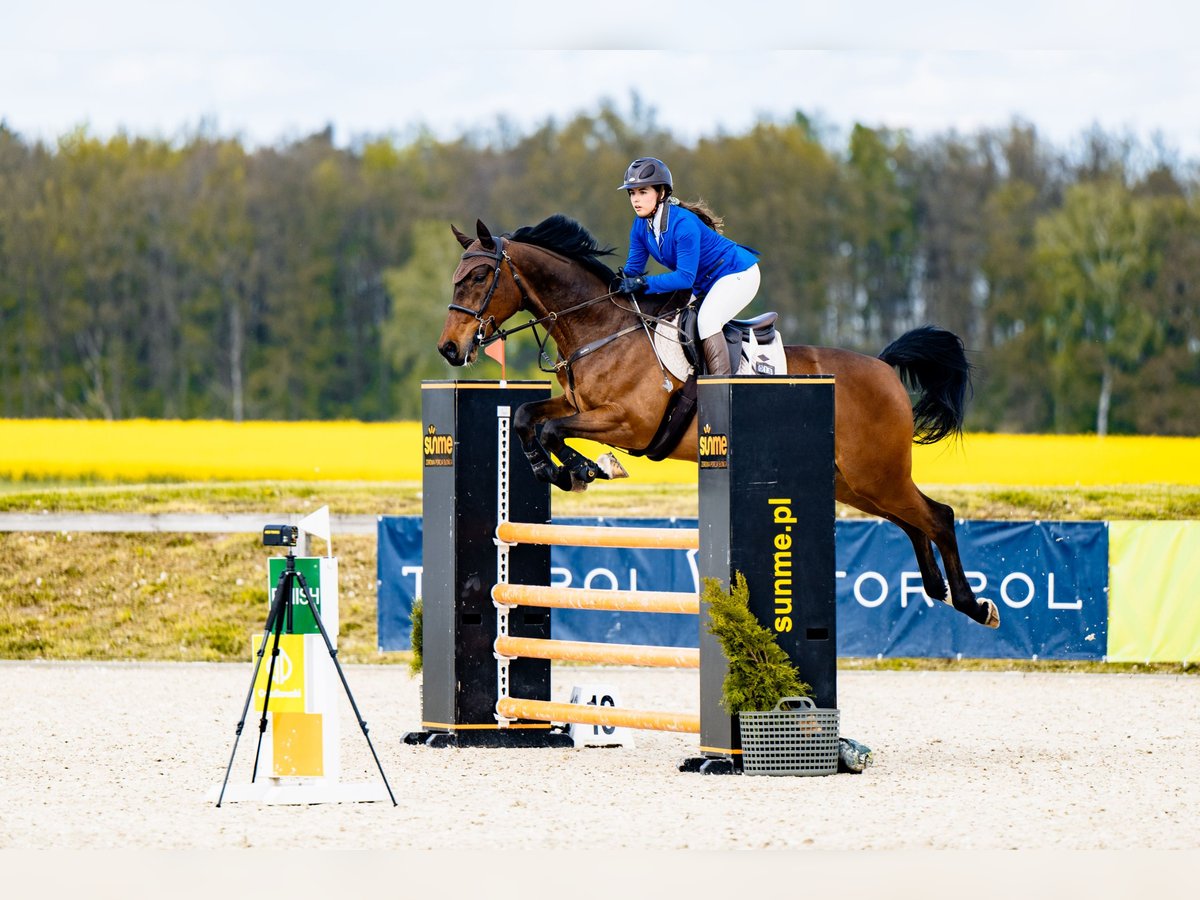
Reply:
x=613, y=385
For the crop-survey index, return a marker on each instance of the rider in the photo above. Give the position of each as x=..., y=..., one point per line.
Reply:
x=686, y=238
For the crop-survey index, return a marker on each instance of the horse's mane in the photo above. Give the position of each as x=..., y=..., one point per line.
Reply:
x=563, y=235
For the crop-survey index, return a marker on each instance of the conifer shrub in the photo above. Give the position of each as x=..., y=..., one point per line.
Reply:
x=760, y=673
x=418, y=635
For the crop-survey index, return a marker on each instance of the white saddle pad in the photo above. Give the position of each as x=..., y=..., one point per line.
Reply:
x=670, y=351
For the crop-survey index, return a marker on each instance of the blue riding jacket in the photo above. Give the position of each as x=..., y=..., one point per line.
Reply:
x=696, y=254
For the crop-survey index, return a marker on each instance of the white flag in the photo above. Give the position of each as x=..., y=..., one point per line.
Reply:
x=317, y=524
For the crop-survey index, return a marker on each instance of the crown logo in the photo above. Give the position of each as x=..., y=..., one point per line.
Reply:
x=708, y=429
x=433, y=429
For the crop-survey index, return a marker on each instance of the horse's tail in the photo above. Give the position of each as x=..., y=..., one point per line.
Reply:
x=932, y=362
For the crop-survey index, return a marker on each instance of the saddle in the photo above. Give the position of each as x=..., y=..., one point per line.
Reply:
x=755, y=348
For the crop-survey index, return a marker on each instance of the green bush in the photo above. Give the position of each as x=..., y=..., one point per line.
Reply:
x=418, y=636
x=760, y=673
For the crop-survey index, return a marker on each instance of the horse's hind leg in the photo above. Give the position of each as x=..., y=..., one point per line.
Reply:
x=940, y=528
x=931, y=575
x=936, y=521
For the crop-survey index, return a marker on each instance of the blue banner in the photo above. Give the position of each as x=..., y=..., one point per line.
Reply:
x=1048, y=579
x=397, y=579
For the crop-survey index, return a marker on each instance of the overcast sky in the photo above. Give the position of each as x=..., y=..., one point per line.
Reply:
x=271, y=71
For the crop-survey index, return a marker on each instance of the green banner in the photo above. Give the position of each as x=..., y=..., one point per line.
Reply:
x=1154, y=572
x=302, y=617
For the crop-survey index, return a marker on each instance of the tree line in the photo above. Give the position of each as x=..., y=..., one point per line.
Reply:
x=201, y=278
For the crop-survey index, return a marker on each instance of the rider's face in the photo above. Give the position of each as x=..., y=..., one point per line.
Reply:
x=644, y=199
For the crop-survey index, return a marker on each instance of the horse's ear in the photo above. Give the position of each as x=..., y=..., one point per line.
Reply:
x=462, y=238
x=485, y=236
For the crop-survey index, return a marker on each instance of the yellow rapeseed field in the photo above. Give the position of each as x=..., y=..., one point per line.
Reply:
x=144, y=450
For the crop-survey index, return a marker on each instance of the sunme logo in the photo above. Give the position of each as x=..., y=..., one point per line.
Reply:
x=714, y=449
x=439, y=448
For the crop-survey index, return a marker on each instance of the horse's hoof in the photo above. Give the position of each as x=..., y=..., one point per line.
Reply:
x=577, y=485
x=993, y=615
x=610, y=467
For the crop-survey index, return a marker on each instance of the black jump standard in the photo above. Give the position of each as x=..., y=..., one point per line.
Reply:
x=767, y=512
x=466, y=459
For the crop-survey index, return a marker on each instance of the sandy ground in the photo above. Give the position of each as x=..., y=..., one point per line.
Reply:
x=123, y=755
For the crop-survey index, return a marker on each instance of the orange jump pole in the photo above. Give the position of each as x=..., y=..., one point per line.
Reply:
x=613, y=654
x=589, y=598
x=607, y=716
x=599, y=536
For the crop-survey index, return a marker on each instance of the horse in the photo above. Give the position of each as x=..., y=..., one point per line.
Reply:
x=613, y=385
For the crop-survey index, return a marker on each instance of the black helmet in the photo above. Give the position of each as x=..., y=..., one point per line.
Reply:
x=647, y=171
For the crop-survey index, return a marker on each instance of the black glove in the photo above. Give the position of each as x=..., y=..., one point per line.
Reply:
x=632, y=285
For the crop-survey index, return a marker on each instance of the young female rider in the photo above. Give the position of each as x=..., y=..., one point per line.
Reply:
x=686, y=238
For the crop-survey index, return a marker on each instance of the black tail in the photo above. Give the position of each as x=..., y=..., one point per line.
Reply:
x=932, y=362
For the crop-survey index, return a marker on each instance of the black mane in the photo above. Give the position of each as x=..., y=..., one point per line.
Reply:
x=565, y=236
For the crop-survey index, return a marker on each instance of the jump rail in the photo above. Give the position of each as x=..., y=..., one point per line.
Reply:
x=606, y=716
x=610, y=654
x=593, y=598
x=598, y=536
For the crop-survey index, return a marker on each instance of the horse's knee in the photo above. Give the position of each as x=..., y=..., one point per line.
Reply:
x=523, y=424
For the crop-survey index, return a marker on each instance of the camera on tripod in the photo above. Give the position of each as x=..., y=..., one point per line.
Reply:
x=280, y=535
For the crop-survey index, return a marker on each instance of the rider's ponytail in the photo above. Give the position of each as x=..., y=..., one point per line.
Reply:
x=701, y=209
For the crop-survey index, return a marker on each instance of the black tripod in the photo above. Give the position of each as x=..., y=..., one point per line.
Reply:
x=281, y=609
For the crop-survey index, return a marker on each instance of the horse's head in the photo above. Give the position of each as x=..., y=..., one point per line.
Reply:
x=484, y=297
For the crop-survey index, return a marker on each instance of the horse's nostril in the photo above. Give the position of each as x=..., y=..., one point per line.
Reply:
x=450, y=351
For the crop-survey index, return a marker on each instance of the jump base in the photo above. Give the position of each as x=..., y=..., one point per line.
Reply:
x=498, y=738
x=709, y=765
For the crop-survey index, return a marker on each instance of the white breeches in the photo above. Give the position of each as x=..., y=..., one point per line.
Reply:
x=728, y=297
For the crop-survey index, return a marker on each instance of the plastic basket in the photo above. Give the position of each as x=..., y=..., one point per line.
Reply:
x=795, y=738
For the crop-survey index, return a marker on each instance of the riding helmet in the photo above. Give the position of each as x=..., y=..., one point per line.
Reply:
x=647, y=171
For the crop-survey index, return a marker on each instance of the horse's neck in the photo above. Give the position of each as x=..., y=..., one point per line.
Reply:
x=557, y=285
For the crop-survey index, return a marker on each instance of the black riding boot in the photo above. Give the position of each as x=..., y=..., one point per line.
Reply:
x=716, y=354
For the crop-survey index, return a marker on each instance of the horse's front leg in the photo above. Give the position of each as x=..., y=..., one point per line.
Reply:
x=526, y=421
x=608, y=424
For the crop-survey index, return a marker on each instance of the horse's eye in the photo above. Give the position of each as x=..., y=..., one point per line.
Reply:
x=481, y=278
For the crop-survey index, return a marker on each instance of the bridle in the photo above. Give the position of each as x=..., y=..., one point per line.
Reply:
x=500, y=256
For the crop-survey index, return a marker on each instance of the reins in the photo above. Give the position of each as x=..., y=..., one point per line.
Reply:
x=483, y=339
